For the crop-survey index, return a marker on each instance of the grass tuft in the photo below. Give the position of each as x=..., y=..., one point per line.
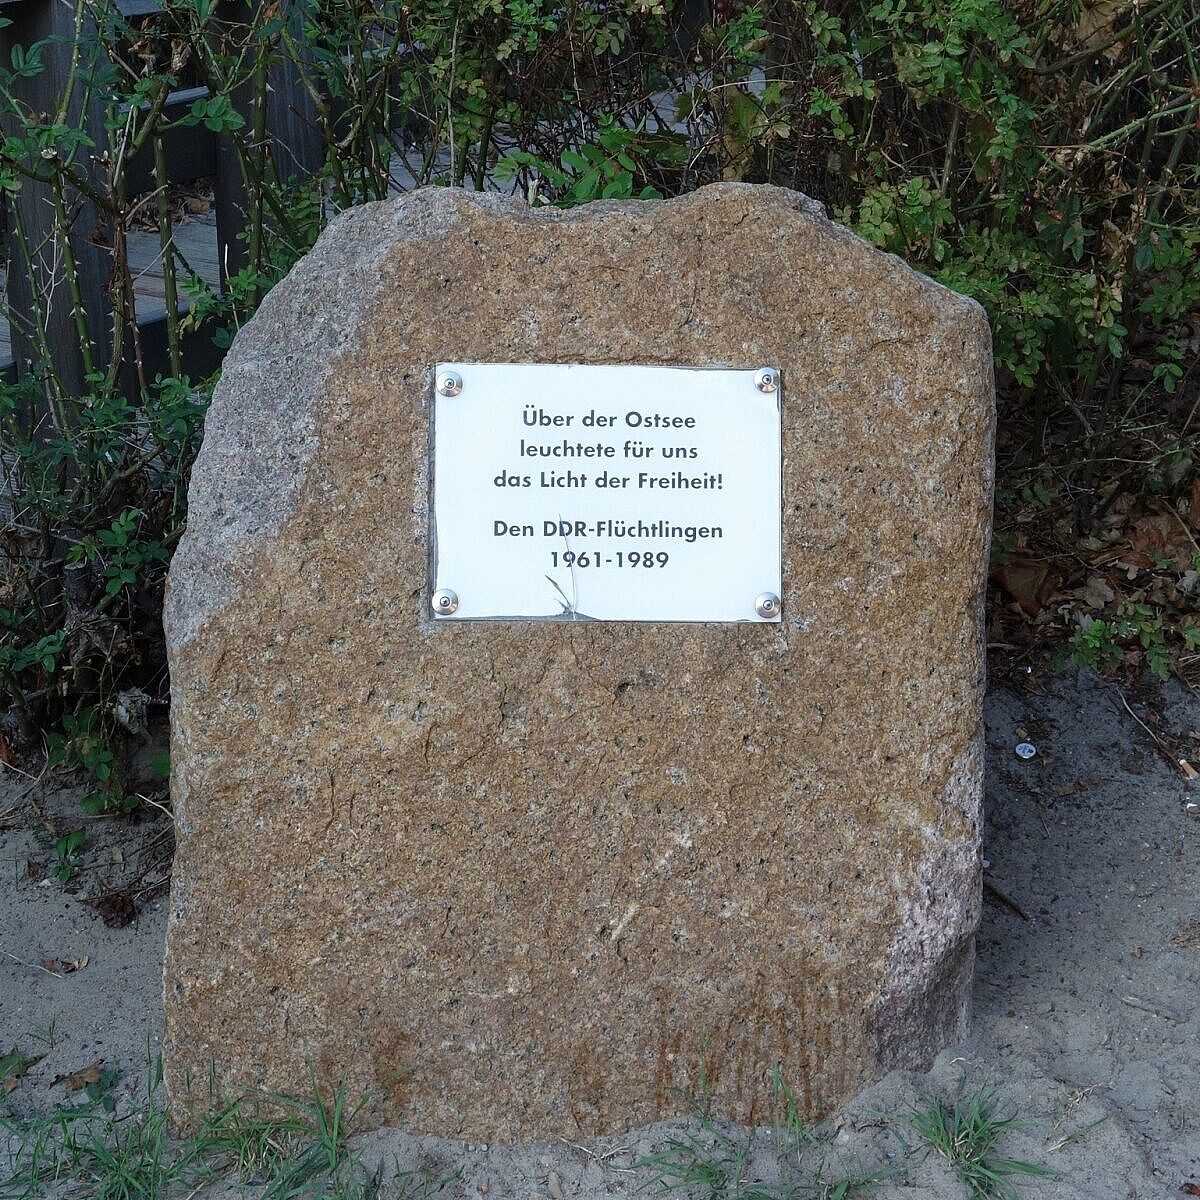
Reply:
x=291, y=1148
x=966, y=1135
x=297, y=1148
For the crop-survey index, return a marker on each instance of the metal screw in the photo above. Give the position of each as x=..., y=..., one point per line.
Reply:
x=449, y=383
x=767, y=380
x=1025, y=750
x=445, y=602
x=767, y=605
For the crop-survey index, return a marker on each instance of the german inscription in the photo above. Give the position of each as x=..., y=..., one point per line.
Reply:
x=611, y=493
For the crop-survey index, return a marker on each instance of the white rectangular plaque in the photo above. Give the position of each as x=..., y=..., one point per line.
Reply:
x=607, y=493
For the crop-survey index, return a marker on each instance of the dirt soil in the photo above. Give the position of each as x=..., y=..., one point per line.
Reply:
x=1086, y=1015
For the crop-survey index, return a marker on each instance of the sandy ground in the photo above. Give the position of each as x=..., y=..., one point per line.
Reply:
x=1087, y=1020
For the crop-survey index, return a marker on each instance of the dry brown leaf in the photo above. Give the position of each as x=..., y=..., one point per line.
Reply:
x=1029, y=583
x=1097, y=24
x=1159, y=536
x=13, y=1067
x=115, y=908
x=1070, y=789
x=80, y=1079
x=70, y=965
x=64, y=966
x=1096, y=593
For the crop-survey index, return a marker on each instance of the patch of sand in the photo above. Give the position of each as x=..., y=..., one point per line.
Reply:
x=1086, y=1016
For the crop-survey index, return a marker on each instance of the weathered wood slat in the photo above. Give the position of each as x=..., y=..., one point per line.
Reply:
x=207, y=248
x=296, y=147
x=196, y=242
x=191, y=150
x=41, y=285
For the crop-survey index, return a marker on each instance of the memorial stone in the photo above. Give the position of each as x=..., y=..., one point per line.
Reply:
x=577, y=663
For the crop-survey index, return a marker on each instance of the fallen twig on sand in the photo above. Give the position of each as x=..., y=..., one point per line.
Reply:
x=1004, y=898
x=32, y=966
x=1143, y=1006
x=1159, y=744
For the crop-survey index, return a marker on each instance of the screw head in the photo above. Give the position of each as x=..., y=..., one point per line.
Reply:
x=767, y=380
x=445, y=602
x=767, y=604
x=1025, y=750
x=449, y=383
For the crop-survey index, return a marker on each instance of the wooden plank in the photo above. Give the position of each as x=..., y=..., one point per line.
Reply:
x=196, y=242
x=296, y=147
x=201, y=357
x=38, y=281
x=191, y=150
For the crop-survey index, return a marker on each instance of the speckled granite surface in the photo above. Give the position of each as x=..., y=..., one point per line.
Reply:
x=520, y=880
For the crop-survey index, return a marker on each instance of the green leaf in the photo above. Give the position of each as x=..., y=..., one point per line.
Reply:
x=27, y=63
x=95, y=803
x=13, y=1067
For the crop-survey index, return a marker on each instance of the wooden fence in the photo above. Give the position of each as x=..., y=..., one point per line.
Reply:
x=192, y=152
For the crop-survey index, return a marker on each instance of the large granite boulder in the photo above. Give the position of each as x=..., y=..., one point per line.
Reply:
x=522, y=879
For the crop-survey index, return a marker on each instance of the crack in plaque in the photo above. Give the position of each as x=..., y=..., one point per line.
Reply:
x=570, y=605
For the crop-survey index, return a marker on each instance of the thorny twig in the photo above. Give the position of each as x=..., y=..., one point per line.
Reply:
x=1159, y=744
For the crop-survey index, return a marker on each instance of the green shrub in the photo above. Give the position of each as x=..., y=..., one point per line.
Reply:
x=1040, y=156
